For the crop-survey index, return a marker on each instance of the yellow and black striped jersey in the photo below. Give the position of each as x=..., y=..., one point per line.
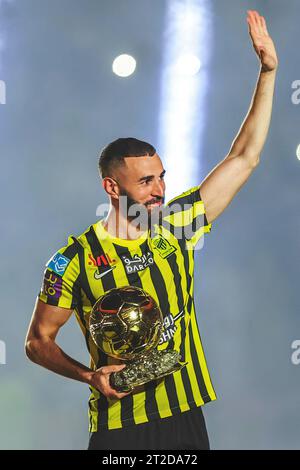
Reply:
x=161, y=262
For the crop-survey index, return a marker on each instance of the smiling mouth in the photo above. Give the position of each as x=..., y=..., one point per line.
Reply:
x=155, y=204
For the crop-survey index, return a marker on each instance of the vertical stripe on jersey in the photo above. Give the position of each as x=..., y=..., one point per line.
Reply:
x=187, y=372
x=108, y=283
x=204, y=381
x=153, y=283
x=129, y=403
x=191, y=385
x=198, y=379
x=95, y=396
x=174, y=383
x=121, y=409
x=87, y=296
x=183, y=381
x=166, y=397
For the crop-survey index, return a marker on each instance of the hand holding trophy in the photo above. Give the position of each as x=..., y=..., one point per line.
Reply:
x=126, y=323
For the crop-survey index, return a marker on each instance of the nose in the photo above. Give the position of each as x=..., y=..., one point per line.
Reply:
x=158, y=188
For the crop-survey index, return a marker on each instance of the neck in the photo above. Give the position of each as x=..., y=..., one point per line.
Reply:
x=119, y=226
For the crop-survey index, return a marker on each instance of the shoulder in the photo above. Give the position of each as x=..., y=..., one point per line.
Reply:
x=190, y=196
x=68, y=253
x=80, y=242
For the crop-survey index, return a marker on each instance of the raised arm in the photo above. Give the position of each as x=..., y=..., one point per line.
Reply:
x=224, y=181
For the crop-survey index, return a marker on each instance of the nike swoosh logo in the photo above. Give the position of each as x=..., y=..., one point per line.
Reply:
x=99, y=275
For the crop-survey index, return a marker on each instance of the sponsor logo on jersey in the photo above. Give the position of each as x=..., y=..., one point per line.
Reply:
x=163, y=247
x=169, y=327
x=99, y=262
x=52, y=285
x=102, y=260
x=98, y=275
x=137, y=263
x=58, y=263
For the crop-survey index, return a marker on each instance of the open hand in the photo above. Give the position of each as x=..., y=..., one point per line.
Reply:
x=262, y=42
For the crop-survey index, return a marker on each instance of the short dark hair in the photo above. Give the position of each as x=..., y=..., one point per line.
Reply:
x=114, y=153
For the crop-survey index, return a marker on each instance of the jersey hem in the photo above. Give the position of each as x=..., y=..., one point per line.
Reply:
x=126, y=423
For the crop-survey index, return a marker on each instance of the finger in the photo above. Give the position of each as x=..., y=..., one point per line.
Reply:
x=257, y=20
x=253, y=29
x=122, y=395
x=110, y=369
x=264, y=25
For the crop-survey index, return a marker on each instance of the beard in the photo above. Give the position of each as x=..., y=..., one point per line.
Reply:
x=147, y=217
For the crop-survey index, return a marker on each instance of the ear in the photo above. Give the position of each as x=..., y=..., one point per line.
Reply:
x=111, y=187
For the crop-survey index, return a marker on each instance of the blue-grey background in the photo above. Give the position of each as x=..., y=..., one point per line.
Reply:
x=63, y=105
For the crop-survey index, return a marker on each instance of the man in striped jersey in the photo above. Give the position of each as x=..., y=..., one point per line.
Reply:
x=159, y=258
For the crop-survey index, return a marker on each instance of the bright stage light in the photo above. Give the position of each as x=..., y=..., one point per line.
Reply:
x=124, y=65
x=187, y=47
x=187, y=64
x=298, y=152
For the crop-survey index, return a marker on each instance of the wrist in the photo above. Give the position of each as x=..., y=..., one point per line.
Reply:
x=88, y=377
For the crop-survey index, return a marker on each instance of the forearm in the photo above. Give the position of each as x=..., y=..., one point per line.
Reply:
x=252, y=135
x=46, y=353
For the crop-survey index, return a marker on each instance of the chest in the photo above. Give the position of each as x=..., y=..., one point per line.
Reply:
x=155, y=266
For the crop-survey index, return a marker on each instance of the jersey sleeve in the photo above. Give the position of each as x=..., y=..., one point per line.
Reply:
x=61, y=281
x=186, y=217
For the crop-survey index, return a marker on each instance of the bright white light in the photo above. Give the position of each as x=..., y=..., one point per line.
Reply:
x=298, y=152
x=188, y=64
x=187, y=41
x=124, y=65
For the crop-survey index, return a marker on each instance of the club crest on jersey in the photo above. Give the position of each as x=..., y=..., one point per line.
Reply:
x=58, y=263
x=163, y=247
x=136, y=262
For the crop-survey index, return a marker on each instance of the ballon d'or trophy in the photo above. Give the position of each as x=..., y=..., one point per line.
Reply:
x=126, y=323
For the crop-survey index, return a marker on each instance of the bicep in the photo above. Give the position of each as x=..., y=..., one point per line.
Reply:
x=222, y=184
x=47, y=320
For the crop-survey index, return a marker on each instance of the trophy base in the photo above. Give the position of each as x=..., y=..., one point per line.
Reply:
x=153, y=366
